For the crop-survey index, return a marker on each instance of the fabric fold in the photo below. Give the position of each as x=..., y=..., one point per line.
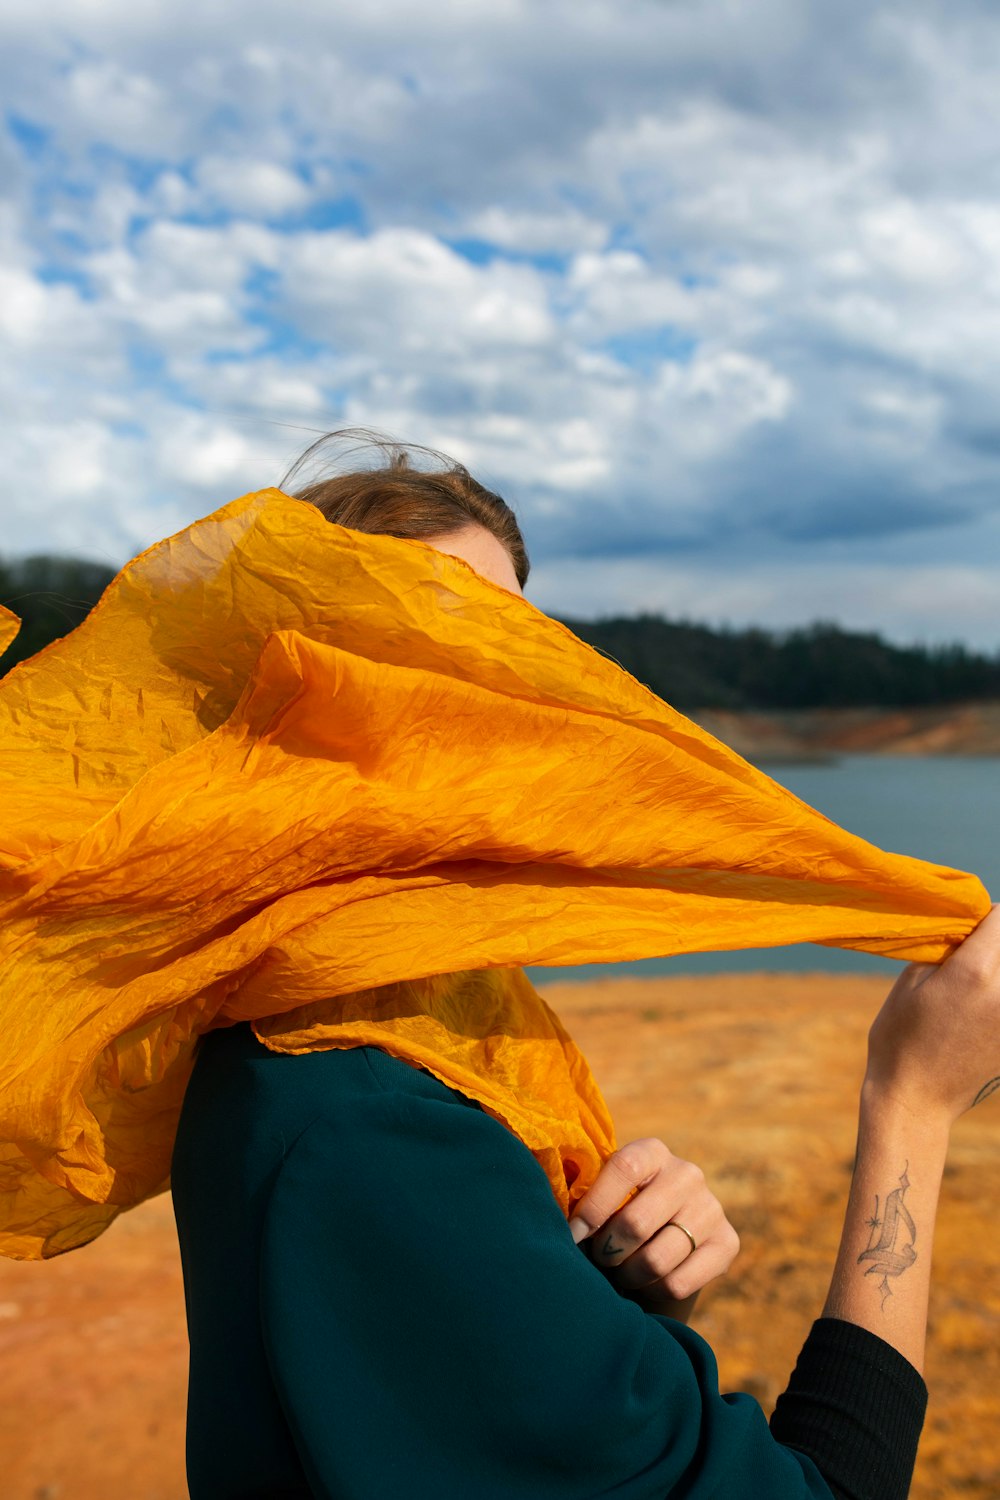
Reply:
x=343, y=787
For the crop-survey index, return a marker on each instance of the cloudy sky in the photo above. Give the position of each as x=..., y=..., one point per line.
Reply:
x=710, y=291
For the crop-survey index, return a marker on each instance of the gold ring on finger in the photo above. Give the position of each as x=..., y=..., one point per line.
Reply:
x=694, y=1244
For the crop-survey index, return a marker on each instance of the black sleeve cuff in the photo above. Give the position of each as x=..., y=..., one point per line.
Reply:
x=856, y=1407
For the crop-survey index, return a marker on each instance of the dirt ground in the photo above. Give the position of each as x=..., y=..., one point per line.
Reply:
x=754, y=1077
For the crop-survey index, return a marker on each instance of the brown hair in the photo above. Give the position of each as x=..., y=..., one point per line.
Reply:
x=397, y=499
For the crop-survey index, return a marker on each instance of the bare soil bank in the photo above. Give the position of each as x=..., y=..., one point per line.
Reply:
x=819, y=733
x=754, y=1077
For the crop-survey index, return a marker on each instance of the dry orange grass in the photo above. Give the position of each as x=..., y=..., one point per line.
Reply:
x=755, y=1077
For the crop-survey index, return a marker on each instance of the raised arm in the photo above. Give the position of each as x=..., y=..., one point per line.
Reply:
x=933, y=1054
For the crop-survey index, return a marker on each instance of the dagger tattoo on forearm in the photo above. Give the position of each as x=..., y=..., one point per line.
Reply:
x=893, y=1253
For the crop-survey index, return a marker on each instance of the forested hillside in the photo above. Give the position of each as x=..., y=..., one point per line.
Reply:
x=816, y=666
x=691, y=666
x=51, y=595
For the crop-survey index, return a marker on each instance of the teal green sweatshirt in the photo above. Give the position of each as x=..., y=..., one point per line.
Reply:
x=384, y=1300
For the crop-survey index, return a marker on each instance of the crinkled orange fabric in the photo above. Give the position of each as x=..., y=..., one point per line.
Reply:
x=343, y=787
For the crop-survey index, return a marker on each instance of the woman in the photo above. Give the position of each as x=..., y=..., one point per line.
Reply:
x=383, y=1295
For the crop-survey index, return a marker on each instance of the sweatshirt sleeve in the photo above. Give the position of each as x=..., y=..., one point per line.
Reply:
x=857, y=1407
x=432, y=1329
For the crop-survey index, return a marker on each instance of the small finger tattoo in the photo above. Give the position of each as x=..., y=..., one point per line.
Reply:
x=609, y=1248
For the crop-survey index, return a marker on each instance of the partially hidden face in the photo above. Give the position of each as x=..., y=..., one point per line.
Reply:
x=483, y=551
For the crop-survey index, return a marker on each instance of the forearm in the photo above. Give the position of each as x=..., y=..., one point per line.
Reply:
x=856, y=1400
x=881, y=1279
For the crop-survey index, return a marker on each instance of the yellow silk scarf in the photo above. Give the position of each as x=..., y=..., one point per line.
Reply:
x=341, y=786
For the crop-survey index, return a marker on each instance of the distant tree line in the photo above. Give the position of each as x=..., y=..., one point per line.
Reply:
x=691, y=666
x=51, y=595
x=814, y=666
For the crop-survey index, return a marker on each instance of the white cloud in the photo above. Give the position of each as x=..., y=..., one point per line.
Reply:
x=618, y=291
x=536, y=232
x=209, y=454
x=25, y=305
x=254, y=188
x=743, y=389
x=108, y=103
x=907, y=243
x=403, y=288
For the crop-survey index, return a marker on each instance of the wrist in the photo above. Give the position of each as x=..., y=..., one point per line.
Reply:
x=886, y=1105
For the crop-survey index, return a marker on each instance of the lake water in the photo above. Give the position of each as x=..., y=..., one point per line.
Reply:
x=940, y=808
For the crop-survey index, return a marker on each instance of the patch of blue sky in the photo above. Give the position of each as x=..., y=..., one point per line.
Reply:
x=52, y=186
x=149, y=370
x=311, y=151
x=34, y=140
x=286, y=343
x=338, y=396
x=140, y=172
x=484, y=252
x=625, y=236
x=137, y=226
x=124, y=427
x=53, y=273
x=224, y=119
x=58, y=225
x=76, y=189
x=339, y=213
x=262, y=283
x=70, y=240
x=210, y=217
x=345, y=212
x=279, y=339
x=644, y=349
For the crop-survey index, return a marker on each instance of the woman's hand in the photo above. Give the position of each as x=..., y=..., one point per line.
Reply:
x=639, y=1245
x=934, y=1047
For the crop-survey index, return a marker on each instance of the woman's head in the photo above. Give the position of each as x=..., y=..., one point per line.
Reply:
x=440, y=504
